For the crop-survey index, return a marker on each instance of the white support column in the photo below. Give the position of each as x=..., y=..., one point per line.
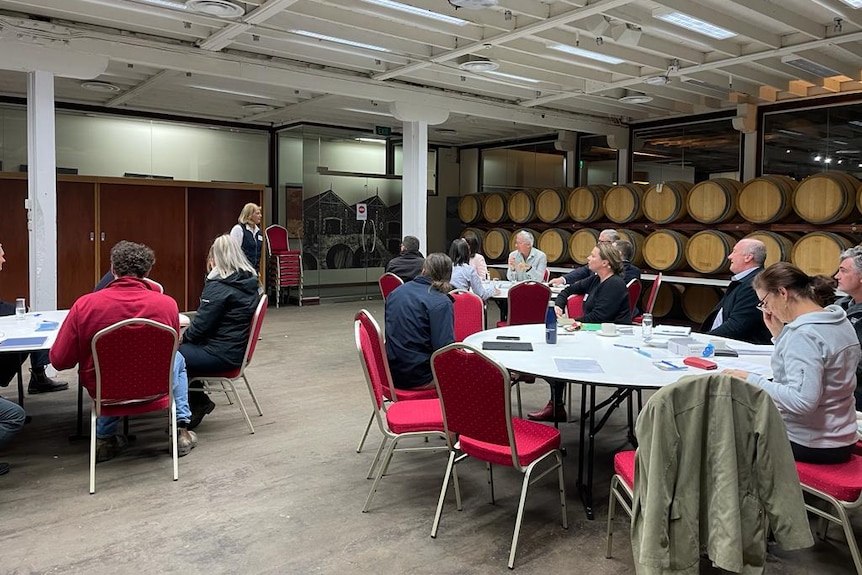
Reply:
x=41, y=191
x=414, y=185
x=750, y=142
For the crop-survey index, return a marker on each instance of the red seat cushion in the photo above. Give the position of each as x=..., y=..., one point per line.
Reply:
x=415, y=415
x=502, y=323
x=412, y=394
x=843, y=481
x=532, y=439
x=624, y=466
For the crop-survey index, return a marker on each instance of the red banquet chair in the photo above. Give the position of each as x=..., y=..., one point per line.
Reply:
x=285, y=264
x=634, y=286
x=839, y=485
x=653, y=294
x=469, y=313
x=575, y=305
x=224, y=382
x=474, y=391
x=396, y=420
x=388, y=282
x=528, y=303
x=390, y=392
x=134, y=361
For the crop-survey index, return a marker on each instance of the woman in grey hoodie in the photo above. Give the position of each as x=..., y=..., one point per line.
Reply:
x=813, y=365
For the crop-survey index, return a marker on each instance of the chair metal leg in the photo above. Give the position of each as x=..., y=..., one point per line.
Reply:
x=612, y=505
x=93, y=450
x=490, y=483
x=380, y=472
x=457, y=487
x=173, y=427
x=253, y=396
x=524, y=487
x=561, y=478
x=365, y=434
x=241, y=405
x=449, y=469
x=376, y=459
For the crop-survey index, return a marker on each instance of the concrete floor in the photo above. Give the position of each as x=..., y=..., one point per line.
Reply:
x=287, y=499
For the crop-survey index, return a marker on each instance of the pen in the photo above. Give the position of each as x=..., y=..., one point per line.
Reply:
x=626, y=346
x=673, y=365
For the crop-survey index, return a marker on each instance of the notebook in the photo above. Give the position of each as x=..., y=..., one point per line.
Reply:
x=507, y=345
x=26, y=342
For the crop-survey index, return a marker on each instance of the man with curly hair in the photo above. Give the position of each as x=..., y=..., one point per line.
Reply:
x=126, y=297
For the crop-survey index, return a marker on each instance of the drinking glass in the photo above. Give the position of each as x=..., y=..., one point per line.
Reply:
x=20, y=308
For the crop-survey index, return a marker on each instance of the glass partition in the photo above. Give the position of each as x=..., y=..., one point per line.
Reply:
x=598, y=161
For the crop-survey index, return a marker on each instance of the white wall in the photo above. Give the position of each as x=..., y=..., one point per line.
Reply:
x=519, y=169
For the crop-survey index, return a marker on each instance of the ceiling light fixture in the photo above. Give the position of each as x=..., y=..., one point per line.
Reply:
x=371, y=140
x=257, y=108
x=371, y=112
x=326, y=38
x=217, y=8
x=419, y=12
x=473, y=4
x=97, y=86
x=809, y=66
x=471, y=63
x=853, y=3
x=635, y=99
x=513, y=77
x=657, y=81
x=164, y=4
x=693, y=24
x=586, y=53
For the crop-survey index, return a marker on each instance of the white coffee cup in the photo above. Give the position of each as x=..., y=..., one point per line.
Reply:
x=609, y=329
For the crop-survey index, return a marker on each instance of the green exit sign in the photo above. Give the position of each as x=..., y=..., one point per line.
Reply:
x=383, y=131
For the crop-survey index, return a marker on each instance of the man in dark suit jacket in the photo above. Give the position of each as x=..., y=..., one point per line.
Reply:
x=409, y=263
x=736, y=316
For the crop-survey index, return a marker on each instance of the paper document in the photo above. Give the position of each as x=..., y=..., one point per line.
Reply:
x=577, y=365
x=732, y=363
x=33, y=342
x=743, y=348
x=671, y=330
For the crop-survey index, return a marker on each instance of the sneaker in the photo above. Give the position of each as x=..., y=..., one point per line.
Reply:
x=186, y=441
x=110, y=447
x=41, y=383
x=199, y=411
x=4, y=468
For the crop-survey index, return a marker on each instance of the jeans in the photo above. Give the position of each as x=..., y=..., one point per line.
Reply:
x=107, y=426
x=11, y=420
x=198, y=361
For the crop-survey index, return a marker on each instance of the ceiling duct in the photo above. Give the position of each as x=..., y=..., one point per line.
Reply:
x=807, y=65
x=217, y=8
x=472, y=63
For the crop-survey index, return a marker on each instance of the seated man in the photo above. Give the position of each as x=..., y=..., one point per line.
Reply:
x=583, y=272
x=408, y=264
x=10, y=363
x=627, y=251
x=129, y=296
x=420, y=319
x=736, y=315
x=526, y=262
x=11, y=422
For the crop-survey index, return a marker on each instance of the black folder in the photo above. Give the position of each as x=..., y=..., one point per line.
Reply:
x=508, y=345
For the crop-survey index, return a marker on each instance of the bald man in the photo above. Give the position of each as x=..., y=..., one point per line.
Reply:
x=736, y=316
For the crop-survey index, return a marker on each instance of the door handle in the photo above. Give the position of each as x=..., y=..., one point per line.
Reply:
x=374, y=240
x=92, y=236
x=362, y=236
x=102, y=236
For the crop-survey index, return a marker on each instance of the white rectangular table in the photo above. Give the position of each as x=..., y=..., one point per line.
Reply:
x=32, y=328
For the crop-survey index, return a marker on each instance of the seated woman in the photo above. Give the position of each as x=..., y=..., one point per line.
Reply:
x=606, y=300
x=477, y=260
x=813, y=365
x=218, y=335
x=464, y=276
x=420, y=319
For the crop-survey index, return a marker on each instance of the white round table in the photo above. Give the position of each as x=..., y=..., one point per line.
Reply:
x=598, y=361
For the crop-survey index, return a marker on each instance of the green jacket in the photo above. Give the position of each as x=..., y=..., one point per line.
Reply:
x=714, y=472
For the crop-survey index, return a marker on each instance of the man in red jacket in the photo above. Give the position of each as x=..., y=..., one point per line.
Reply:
x=127, y=297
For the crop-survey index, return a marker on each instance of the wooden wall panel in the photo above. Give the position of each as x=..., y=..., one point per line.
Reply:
x=211, y=212
x=76, y=255
x=15, y=277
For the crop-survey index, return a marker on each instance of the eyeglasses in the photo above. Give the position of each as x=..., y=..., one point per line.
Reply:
x=762, y=303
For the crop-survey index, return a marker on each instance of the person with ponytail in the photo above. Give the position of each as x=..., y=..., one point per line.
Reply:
x=813, y=365
x=420, y=319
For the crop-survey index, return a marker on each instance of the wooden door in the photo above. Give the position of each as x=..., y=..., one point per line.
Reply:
x=15, y=277
x=76, y=241
x=212, y=212
x=149, y=214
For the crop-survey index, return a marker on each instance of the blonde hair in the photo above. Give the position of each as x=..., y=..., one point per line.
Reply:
x=228, y=258
x=246, y=213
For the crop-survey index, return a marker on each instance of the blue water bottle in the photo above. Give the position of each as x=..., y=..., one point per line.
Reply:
x=551, y=326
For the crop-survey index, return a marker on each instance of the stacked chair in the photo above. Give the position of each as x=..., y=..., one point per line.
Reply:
x=285, y=264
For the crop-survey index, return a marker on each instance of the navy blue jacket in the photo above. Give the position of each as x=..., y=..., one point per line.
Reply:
x=419, y=321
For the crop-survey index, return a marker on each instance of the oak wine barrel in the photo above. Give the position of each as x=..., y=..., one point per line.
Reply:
x=664, y=250
x=470, y=208
x=478, y=234
x=585, y=203
x=551, y=205
x=637, y=240
x=817, y=252
x=582, y=243
x=522, y=206
x=494, y=207
x=707, y=251
x=698, y=301
x=766, y=199
x=826, y=198
x=496, y=244
x=624, y=203
x=779, y=247
x=555, y=243
x=713, y=201
x=666, y=301
x=666, y=202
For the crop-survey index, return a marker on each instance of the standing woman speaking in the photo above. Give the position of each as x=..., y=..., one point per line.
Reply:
x=247, y=233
